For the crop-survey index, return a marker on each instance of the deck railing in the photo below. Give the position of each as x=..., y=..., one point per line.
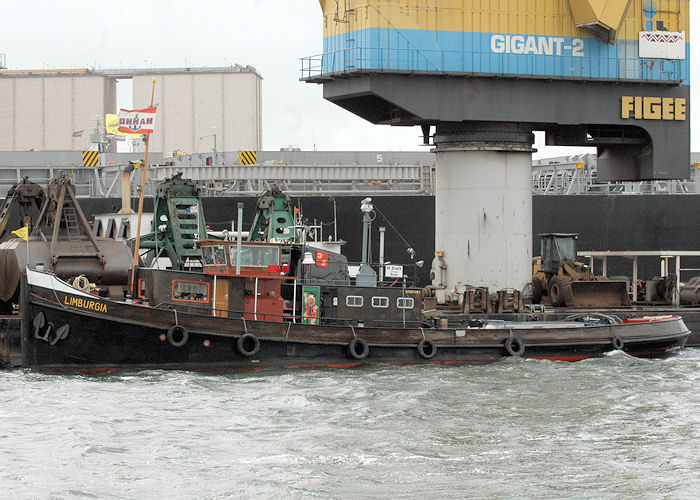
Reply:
x=414, y=60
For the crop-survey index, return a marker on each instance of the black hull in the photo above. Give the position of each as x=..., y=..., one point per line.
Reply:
x=136, y=337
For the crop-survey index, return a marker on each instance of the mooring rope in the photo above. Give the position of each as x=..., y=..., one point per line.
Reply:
x=53, y=287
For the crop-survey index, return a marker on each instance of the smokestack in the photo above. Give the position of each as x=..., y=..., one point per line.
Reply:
x=126, y=188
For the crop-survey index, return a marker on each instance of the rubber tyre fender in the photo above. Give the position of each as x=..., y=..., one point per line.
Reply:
x=618, y=344
x=358, y=349
x=248, y=345
x=514, y=346
x=178, y=331
x=427, y=348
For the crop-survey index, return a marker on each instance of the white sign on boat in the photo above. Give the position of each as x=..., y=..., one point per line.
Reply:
x=393, y=271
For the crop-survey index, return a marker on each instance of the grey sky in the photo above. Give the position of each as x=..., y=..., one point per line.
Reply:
x=270, y=35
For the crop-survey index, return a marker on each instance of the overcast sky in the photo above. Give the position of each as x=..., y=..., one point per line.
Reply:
x=270, y=35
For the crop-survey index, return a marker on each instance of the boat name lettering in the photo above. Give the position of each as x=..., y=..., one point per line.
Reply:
x=91, y=305
x=536, y=45
x=653, y=108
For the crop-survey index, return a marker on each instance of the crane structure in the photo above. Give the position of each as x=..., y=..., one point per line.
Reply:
x=480, y=77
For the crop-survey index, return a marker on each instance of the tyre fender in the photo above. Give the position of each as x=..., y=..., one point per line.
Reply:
x=358, y=348
x=514, y=346
x=178, y=335
x=248, y=345
x=427, y=349
x=618, y=344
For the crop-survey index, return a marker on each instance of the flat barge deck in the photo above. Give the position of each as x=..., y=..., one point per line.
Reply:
x=690, y=315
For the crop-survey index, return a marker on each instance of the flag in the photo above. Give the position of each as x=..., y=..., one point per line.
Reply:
x=112, y=126
x=321, y=259
x=192, y=209
x=78, y=133
x=137, y=121
x=22, y=232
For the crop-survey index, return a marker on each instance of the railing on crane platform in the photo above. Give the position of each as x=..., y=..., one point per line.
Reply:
x=413, y=60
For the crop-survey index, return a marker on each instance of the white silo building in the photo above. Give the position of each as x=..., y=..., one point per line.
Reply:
x=198, y=106
x=53, y=109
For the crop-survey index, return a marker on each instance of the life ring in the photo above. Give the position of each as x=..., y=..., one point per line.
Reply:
x=514, y=346
x=177, y=335
x=427, y=349
x=618, y=344
x=248, y=345
x=358, y=349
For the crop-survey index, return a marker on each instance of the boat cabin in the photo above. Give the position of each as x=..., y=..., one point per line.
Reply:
x=263, y=288
x=190, y=291
x=223, y=288
x=371, y=306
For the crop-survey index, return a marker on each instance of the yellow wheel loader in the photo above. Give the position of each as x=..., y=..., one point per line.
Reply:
x=567, y=282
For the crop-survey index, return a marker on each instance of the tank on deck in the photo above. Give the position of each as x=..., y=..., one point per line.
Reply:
x=60, y=240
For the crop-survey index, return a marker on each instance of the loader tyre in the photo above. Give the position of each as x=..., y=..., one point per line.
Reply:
x=559, y=291
x=5, y=307
x=537, y=291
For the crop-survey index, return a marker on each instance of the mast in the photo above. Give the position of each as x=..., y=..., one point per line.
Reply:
x=143, y=183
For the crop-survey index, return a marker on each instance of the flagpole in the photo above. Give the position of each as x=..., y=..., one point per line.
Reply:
x=27, y=226
x=143, y=183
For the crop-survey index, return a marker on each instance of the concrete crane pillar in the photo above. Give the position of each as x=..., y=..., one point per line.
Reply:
x=483, y=203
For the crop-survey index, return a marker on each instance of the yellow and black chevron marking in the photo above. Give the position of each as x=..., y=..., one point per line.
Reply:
x=91, y=159
x=247, y=157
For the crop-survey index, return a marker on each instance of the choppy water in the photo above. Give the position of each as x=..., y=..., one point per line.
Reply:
x=614, y=427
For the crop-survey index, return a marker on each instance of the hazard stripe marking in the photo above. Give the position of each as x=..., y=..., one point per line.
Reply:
x=91, y=159
x=247, y=157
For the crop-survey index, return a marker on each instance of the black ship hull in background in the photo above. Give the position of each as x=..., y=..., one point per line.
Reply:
x=604, y=222
x=639, y=222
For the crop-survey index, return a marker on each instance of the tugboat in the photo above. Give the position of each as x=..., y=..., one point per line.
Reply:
x=265, y=304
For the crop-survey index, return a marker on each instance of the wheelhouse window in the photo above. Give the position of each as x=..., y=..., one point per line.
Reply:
x=404, y=303
x=382, y=302
x=190, y=291
x=255, y=255
x=354, y=301
x=213, y=255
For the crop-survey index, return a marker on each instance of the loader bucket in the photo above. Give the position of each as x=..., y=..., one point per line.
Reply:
x=599, y=294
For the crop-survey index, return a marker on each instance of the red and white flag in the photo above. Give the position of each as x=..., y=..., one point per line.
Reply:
x=321, y=259
x=137, y=121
